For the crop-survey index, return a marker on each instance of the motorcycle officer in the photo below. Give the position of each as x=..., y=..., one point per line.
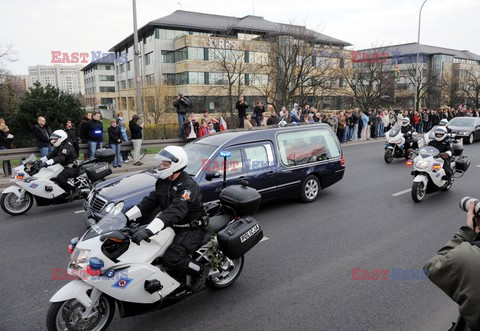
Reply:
x=407, y=132
x=455, y=269
x=64, y=154
x=180, y=199
x=442, y=143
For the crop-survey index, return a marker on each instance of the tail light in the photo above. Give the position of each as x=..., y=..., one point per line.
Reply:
x=342, y=161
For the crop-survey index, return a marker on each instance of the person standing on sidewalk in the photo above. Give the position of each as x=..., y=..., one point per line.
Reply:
x=42, y=133
x=136, y=133
x=123, y=130
x=5, y=143
x=72, y=135
x=182, y=105
x=94, y=134
x=258, y=113
x=355, y=120
x=83, y=131
x=241, y=106
x=115, y=141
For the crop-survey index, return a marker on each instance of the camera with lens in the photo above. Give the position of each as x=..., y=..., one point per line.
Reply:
x=465, y=205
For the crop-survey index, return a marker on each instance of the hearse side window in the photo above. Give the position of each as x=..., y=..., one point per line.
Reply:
x=259, y=157
x=235, y=165
x=306, y=146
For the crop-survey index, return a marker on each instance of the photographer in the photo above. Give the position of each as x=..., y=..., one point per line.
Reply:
x=456, y=268
x=182, y=105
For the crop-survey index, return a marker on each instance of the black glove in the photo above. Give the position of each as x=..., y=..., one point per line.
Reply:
x=140, y=235
x=43, y=165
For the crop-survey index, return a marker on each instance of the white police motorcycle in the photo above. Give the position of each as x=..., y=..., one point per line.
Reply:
x=428, y=172
x=32, y=182
x=113, y=270
x=395, y=144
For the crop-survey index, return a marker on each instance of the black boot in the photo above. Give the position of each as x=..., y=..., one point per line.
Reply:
x=200, y=280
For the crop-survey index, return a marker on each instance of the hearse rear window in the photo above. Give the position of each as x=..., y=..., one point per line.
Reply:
x=306, y=146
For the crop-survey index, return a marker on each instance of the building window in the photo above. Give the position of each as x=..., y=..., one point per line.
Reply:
x=246, y=57
x=130, y=83
x=181, y=55
x=150, y=79
x=169, y=79
x=168, y=56
x=182, y=78
x=196, y=78
x=124, y=84
x=247, y=79
x=106, y=78
x=148, y=58
x=107, y=88
x=206, y=78
x=157, y=33
x=129, y=65
x=205, y=54
x=107, y=67
x=122, y=67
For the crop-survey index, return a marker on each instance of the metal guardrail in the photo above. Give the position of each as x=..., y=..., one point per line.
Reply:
x=19, y=153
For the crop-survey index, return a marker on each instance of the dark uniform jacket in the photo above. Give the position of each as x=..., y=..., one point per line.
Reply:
x=94, y=130
x=63, y=154
x=407, y=128
x=443, y=146
x=180, y=201
x=455, y=269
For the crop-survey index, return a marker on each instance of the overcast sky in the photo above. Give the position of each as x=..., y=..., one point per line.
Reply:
x=37, y=27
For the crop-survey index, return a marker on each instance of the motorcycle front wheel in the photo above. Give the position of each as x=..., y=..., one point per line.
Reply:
x=388, y=157
x=229, y=272
x=67, y=315
x=418, y=191
x=11, y=206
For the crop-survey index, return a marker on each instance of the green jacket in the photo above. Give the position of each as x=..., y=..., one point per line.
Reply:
x=456, y=270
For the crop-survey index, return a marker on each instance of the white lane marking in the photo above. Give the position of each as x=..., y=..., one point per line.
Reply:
x=79, y=211
x=478, y=166
x=401, y=192
x=264, y=239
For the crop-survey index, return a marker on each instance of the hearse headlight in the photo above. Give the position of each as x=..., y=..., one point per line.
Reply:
x=109, y=207
x=118, y=208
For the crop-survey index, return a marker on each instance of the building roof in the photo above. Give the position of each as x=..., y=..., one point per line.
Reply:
x=188, y=20
x=107, y=59
x=411, y=48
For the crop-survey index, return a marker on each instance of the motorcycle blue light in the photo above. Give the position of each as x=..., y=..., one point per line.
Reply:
x=95, y=263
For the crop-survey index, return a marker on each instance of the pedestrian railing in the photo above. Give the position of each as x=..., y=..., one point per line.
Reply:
x=19, y=153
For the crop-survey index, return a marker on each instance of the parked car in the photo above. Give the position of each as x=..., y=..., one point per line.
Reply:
x=467, y=128
x=291, y=161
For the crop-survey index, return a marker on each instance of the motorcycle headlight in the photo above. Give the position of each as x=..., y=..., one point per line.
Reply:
x=79, y=259
x=118, y=208
x=109, y=207
x=422, y=164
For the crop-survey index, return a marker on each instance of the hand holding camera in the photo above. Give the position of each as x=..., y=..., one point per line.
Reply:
x=472, y=207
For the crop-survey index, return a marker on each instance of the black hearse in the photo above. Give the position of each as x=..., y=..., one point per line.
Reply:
x=280, y=162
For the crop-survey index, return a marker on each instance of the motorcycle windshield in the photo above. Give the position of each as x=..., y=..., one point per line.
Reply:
x=428, y=151
x=107, y=224
x=31, y=158
x=395, y=130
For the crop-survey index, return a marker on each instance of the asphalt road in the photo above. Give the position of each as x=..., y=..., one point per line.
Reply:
x=301, y=278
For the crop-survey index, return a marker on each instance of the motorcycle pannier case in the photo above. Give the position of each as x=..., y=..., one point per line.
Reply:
x=105, y=155
x=457, y=148
x=243, y=200
x=239, y=237
x=98, y=171
x=462, y=163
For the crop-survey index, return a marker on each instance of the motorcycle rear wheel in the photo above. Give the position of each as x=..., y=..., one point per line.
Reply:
x=229, y=272
x=418, y=191
x=10, y=206
x=66, y=315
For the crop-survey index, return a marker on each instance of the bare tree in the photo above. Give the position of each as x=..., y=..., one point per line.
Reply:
x=7, y=53
x=426, y=85
x=228, y=67
x=450, y=90
x=156, y=102
x=369, y=79
x=299, y=65
x=471, y=88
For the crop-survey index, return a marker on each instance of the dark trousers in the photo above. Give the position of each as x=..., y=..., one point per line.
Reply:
x=340, y=133
x=62, y=178
x=241, y=122
x=177, y=256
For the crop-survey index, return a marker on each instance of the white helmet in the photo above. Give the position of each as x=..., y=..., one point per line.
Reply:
x=405, y=121
x=443, y=122
x=176, y=156
x=440, y=133
x=59, y=136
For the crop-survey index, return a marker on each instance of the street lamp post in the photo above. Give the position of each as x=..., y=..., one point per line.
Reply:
x=418, y=50
x=136, y=65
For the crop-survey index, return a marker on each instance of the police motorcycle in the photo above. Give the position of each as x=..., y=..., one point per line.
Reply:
x=32, y=182
x=395, y=144
x=113, y=271
x=429, y=174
